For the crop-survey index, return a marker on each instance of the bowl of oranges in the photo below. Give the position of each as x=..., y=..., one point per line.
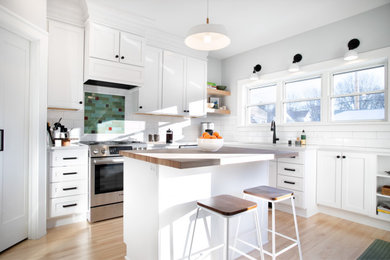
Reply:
x=210, y=142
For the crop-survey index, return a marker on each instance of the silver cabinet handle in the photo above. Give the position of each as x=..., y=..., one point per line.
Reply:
x=108, y=161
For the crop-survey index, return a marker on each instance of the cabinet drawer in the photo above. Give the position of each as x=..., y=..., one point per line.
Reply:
x=291, y=183
x=71, y=173
x=68, y=205
x=300, y=159
x=291, y=169
x=68, y=157
x=68, y=188
x=299, y=199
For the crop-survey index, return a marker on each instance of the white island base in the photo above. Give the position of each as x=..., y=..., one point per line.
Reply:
x=160, y=208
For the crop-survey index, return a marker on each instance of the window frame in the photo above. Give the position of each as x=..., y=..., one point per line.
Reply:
x=248, y=106
x=331, y=94
x=284, y=100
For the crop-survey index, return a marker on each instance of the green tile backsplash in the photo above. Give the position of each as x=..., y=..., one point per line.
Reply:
x=104, y=114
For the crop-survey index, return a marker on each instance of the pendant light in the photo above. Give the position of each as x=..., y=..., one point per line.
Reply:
x=351, y=53
x=294, y=67
x=207, y=37
x=254, y=75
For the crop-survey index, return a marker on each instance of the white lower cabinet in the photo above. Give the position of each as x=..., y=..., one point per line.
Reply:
x=343, y=180
x=67, y=181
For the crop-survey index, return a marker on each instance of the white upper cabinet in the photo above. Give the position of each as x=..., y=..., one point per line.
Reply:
x=174, y=81
x=150, y=93
x=104, y=42
x=195, y=103
x=65, y=66
x=114, y=45
x=131, y=49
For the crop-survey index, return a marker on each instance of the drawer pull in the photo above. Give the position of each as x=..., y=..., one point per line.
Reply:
x=71, y=188
x=289, y=169
x=289, y=182
x=69, y=205
x=293, y=157
x=69, y=173
x=69, y=158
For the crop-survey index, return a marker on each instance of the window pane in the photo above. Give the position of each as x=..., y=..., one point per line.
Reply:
x=304, y=111
x=310, y=88
x=364, y=107
x=261, y=114
x=359, y=81
x=262, y=95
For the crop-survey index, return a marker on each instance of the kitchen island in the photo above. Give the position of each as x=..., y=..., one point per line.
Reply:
x=161, y=188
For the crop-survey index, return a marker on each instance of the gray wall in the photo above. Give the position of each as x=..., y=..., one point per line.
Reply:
x=214, y=70
x=324, y=43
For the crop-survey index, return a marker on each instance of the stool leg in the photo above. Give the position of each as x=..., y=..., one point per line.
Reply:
x=236, y=236
x=296, y=228
x=226, y=252
x=273, y=231
x=258, y=231
x=193, y=233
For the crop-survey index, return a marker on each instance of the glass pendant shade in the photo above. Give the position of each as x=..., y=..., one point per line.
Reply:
x=207, y=37
x=351, y=55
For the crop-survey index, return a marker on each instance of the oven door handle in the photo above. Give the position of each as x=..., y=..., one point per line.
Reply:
x=108, y=161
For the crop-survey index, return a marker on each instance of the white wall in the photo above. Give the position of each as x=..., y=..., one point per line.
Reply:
x=325, y=43
x=32, y=10
x=214, y=70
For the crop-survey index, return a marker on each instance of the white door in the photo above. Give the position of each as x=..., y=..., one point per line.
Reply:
x=173, y=83
x=131, y=49
x=14, y=93
x=150, y=93
x=196, y=87
x=103, y=42
x=329, y=179
x=355, y=182
x=65, y=70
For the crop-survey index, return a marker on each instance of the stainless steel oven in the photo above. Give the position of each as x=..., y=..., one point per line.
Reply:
x=106, y=178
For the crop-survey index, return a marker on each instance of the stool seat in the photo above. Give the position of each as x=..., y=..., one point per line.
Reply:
x=227, y=205
x=269, y=193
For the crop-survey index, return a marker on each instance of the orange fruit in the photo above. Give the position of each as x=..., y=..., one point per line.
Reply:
x=205, y=135
x=216, y=134
x=219, y=137
x=213, y=137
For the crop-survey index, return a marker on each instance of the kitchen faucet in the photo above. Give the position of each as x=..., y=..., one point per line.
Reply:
x=273, y=128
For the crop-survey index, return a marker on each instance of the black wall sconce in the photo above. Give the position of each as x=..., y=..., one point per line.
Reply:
x=294, y=67
x=254, y=75
x=351, y=54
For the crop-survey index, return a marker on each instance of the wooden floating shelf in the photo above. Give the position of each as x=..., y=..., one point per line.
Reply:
x=170, y=115
x=218, y=111
x=216, y=92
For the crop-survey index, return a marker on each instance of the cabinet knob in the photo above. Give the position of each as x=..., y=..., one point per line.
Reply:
x=116, y=56
x=338, y=156
x=344, y=157
x=140, y=107
x=80, y=102
x=122, y=57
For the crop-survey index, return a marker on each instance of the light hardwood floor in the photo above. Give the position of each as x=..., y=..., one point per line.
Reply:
x=322, y=237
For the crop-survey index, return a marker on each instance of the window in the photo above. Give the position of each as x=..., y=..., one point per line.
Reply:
x=302, y=102
x=359, y=95
x=261, y=104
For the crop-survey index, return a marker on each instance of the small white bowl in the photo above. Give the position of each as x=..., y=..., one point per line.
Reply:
x=210, y=105
x=210, y=145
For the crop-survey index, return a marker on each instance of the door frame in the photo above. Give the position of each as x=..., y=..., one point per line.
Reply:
x=37, y=168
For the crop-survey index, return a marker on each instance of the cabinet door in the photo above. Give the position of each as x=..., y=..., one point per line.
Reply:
x=329, y=179
x=131, y=49
x=150, y=93
x=103, y=42
x=355, y=182
x=65, y=66
x=173, y=83
x=196, y=87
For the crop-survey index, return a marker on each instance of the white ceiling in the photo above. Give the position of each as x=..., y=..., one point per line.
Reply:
x=250, y=23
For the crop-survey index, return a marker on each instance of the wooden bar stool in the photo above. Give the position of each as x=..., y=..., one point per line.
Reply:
x=275, y=195
x=227, y=206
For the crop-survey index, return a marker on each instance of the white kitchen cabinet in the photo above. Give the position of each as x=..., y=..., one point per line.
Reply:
x=113, y=45
x=195, y=102
x=67, y=183
x=104, y=42
x=65, y=66
x=150, y=93
x=343, y=180
x=174, y=81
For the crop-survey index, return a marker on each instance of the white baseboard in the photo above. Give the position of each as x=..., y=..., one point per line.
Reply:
x=361, y=219
x=65, y=220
